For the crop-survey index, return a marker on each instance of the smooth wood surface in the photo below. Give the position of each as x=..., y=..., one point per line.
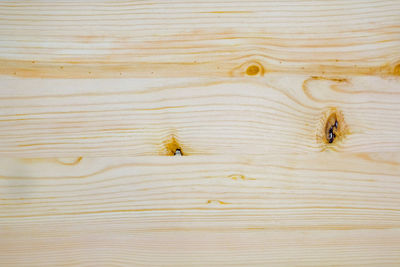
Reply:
x=278, y=113
x=178, y=38
x=286, y=114
x=308, y=210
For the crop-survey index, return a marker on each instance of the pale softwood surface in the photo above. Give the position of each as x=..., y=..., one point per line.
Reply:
x=278, y=113
x=316, y=209
x=257, y=186
x=197, y=38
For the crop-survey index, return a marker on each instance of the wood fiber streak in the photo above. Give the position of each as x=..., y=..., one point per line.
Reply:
x=215, y=210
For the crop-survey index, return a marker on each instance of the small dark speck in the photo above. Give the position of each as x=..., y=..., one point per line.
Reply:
x=178, y=152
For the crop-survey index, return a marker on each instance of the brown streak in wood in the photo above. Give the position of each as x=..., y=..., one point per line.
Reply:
x=106, y=67
x=353, y=92
x=196, y=208
x=227, y=12
x=306, y=89
x=75, y=162
x=368, y=157
x=217, y=201
x=239, y=177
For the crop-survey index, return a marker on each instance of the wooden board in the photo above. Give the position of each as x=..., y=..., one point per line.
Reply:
x=278, y=113
x=286, y=114
x=178, y=38
x=211, y=210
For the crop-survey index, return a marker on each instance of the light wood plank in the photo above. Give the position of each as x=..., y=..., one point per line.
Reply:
x=247, y=91
x=310, y=210
x=197, y=38
x=273, y=114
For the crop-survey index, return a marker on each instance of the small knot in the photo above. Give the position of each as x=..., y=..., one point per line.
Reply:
x=172, y=147
x=332, y=129
x=178, y=152
x=252, y=70
x=396, y=69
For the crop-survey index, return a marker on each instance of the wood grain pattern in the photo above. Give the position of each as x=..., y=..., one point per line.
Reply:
x=286, y=114
x=274, y=114
x=204, y=38
x=316, y=209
